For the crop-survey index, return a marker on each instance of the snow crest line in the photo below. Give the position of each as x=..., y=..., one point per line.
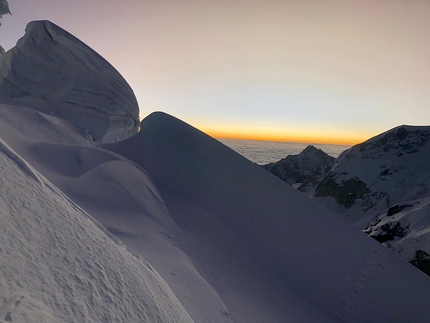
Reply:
x=22, y=164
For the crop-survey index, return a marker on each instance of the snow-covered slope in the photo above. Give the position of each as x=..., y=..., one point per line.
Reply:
x=116, y=192
x=214, y=227
x=383, y=186
x=273, y=254
x=54, y=72
x=59, y=265
x=297, y=168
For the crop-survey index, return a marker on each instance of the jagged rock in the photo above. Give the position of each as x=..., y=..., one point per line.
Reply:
x=296, y=168
x=383, y=187
x=53, y=72
x=345, y=193
x=422, y=261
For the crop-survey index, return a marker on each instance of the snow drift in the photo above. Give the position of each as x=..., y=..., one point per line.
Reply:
x=54, y=72
x=60, y=265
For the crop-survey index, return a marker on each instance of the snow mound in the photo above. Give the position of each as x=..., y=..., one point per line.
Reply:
x=60, y=265
x=54, y=72
x=273, y=254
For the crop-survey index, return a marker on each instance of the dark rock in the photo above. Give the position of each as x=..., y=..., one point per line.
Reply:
x=345, y=193
x=296, y=168
x=396, y=209
x=422, y=261
x=390, y=233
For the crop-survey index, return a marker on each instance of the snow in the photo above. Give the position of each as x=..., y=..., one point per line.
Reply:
x=233, y=243
x=58, y=265
x=170, y=225
x=271, y=234
x=394, y=168
x=53, y=72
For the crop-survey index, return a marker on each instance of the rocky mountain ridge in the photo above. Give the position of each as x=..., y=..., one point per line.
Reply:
x=382, y=186
x=293, y=169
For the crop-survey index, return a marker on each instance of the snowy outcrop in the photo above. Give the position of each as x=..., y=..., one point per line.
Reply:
x=297, y=168
x=52, y=71
x=383, y=187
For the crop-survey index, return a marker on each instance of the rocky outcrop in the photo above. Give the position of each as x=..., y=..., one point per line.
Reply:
x=297, y=168
x=53, y=72
x=383, y=187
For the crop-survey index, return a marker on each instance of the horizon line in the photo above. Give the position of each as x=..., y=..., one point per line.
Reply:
x=287, y=140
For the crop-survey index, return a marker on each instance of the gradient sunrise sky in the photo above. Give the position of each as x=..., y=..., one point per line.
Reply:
x=313, y=71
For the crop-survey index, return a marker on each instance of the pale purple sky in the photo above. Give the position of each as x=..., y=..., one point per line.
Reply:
x=292, y=70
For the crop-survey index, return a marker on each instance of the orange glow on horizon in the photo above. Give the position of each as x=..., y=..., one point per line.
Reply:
x=344, y=140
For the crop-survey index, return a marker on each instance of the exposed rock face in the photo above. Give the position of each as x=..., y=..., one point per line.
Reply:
x=53, y=72
x=388, y=169
x=383, y=187
x=296, y=168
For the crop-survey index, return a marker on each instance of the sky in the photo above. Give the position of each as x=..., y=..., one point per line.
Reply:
x=303, y=71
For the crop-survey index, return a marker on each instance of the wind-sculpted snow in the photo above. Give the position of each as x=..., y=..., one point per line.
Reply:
x=233, y=243
x=273, y=254
x=58, y=266
x=54, y=72
x=117, y=193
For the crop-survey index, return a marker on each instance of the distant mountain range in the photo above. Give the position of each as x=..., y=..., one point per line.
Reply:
x=382, y=186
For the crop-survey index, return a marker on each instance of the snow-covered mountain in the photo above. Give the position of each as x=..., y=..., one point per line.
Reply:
x=294, y=169
x=55, y=73
x=383, y=187
x=170, y=225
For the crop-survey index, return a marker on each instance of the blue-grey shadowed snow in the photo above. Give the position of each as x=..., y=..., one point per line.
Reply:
x=55, y=73
x=266, y=241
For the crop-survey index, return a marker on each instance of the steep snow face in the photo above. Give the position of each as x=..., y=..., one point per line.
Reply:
x=119, y=194
x=385, y=170
x=383, y=187
x=296, y=168
x=54, y=72
x=273, y=254
x=60, y=265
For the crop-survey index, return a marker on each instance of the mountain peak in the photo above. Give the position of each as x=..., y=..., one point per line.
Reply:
x=296, y=168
